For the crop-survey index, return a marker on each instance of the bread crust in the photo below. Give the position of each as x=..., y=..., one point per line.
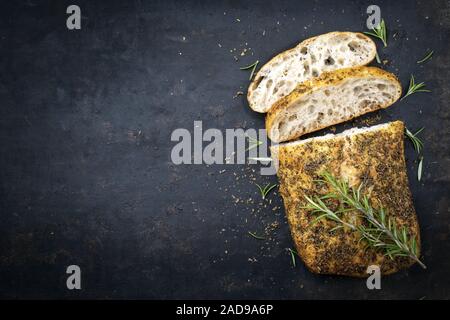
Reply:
x=260, y=74
x=323, y=81
x=375, y=157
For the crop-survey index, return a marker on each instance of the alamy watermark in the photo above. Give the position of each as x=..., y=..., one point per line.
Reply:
x=74, y=280
x=232, y=146
x=374, y=280
x=374, y=18
x=73, y=22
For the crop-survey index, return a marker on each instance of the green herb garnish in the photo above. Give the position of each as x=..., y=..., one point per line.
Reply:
x=413, y=88
x=419, y=169
x=428, y=56
x=378, y=58
x=255, y=236
x=252, y=67
x=264, y=191
x=379, y=32
x=379, y=232
x=418, y=144
x=293, y=253
x=253, y=143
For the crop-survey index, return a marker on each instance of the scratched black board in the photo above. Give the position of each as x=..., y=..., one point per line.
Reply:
x=86, y=173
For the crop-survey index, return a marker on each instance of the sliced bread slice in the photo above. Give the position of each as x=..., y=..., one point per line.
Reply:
x=372, y=156
x=332, y=98
x=309, y=59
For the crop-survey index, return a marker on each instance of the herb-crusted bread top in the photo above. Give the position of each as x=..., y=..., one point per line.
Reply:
x=374, y=155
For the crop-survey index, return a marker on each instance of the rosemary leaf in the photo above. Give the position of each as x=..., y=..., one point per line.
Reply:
x=419, y=169
x=264, y=191
x=268, y=189
x=378, y=58
x=252, y=67
x=417, y=143
x=260, y=189
x=428, y=56
x=253, y=143
x=293, y=253
x=256, y=236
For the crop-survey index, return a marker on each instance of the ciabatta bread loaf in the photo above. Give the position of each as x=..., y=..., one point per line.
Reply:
x=309, y=59
x=372, y=155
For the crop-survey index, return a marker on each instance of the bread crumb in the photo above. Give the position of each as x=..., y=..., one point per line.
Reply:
x=239, y=93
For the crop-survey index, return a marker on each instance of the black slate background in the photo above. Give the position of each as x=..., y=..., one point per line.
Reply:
x=85, y=170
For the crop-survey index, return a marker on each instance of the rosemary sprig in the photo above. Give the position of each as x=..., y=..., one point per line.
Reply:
x=379, y=231
x=420, y=169
x=256, y=236
x=418, y=144
x=252, y=67
x=293, y=253
x=253, y=143
x=428, y=56
x=264, y=191
x=379, y=32
x=414, y=87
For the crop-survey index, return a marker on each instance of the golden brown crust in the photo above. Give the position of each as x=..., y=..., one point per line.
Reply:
x=325, y=80
x=258, y=76
x=375, y=157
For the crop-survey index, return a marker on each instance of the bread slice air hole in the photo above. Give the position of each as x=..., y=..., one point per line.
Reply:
x=329, y=61
x=353, y=45
x=281, y=127
x=275, y=90
x=356, y=89
x=306, y=66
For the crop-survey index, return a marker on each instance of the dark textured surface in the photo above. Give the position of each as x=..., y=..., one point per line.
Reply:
x=85, y=169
